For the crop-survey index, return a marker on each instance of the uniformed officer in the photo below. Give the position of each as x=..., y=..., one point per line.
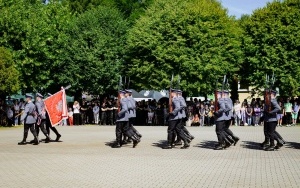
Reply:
x=183, y=119
x=122, y=125
x=29, y=119
x=270, y=123
x=131, y=112
x=229, y=115
x=41, y=120
x=174, y=123
x=220, y=119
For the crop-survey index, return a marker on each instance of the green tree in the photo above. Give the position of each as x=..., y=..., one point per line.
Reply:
x=9, y=75
x=93, y=56
x=193, y=38
x=271, y=43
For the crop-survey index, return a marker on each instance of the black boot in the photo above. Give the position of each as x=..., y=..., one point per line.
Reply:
x=23, y=142
x=47, y=140
x=185, y=146
x=265, y=144
x=178, y=143
x=169, y=146
x=279, y=144
x=136, y=140
x=57, y=137
x=236, y=140
x=36, y=140
x=227, y=143
x=270, y=148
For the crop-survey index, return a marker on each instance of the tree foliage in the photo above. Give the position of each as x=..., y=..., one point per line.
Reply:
x=9, y=75
x=193, y=38
x=271, y=43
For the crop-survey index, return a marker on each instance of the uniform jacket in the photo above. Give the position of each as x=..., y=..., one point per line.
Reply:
x=123, y=114
x=132, y=109
x=220, y=114
x=40, y=107
x=228, y=108
x=272, y=116
x=28, y=115
x=182, y=107
x=176, y=108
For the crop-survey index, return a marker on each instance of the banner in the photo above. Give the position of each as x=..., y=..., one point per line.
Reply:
x=56, y=106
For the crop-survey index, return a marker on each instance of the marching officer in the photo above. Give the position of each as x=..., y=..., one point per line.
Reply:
x=229, y=115
x=29, y=119
x=220, y=119
x=41, y=121
x=131, y=113
x=183, y=119
x=270, y=123
x=122, y=125
x=174, y=123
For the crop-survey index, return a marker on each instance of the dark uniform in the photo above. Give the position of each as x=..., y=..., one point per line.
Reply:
x=41, y=121
x=220, y=120
x=29, y=119
x=270, y=123
x=174, y=124
x=183, y=116
x=231, y=138
x=122, y=125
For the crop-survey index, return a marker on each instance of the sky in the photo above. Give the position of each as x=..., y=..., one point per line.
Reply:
x=240, y=7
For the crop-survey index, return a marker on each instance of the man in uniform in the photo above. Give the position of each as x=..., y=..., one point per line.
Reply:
x=131, y=114
x=229, y=115
x=41, y=122
x=270, y=123
x=174, y=123
x=122, y=125
x=220, y=119
x=29, y=119
x=183, y=119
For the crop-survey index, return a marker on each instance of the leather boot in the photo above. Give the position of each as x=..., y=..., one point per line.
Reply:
x=136, y=140
x=23, y=142
x=227, y=143
x=36, y=140
x=236, y=140
x=47, y=140
x=57, y=137
x=279, y=144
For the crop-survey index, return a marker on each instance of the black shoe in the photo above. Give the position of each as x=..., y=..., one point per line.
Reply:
x=185, y=146
x=278, y=146
x=192, y=137
x=124, y=142
x=227, y=145
x=135, y=143
x=178, y=143
x=31, y=142
x=168, y=147
x=283, y=141
x=36, y=141
x=236, y=140
x=116, y=146
x=22, y=143
x=57, y=138
x=219, y=147
x=47, y=140
x=140, y=135
x=270, y=148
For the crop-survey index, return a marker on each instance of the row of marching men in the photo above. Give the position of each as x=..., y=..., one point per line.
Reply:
x=35, y=118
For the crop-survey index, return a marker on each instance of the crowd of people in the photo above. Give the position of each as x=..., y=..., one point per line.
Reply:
x=152, y=112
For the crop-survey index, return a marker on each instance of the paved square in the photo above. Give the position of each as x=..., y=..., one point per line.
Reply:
x=84, y=160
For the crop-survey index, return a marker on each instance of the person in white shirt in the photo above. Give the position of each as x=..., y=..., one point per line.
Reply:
x=96, y=110
x=237, y=112
x=10, y=115
x=76, y=113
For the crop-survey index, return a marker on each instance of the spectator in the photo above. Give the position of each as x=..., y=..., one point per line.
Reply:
x=70, y=117
x=196, y=120
x=96, y=110
x=150, y=117
x=16, y=112
x=103, y=113
x=288, y=112
x=249, y=112
x=206, y=117
x=295, y=113
x=237, y=112
x=257, y=113
x=280, y=114
x=10, y=115
x=76, y=114
x=202, y=114
x=243, y=115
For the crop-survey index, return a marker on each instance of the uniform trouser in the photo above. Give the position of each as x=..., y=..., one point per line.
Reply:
x=123, y=127
x=42, y=126
x=227, y=130
x=26, y=129
x=185, y=131
x=220, y=131
x=173, y=129
x=271, y=129
x=49, y=126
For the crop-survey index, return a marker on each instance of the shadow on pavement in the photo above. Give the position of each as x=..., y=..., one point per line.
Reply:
x=110, y=144
x=251, y=145
x=160, y=144
x=293, y=145
x=207, y=144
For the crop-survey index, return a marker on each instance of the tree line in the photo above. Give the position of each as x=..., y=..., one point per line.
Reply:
x=90, y=43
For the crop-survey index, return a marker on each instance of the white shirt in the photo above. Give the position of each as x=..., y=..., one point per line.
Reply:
x=76, y=109
x=96, y=109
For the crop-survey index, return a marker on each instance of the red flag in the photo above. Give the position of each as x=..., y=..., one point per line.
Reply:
x=56, y=106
